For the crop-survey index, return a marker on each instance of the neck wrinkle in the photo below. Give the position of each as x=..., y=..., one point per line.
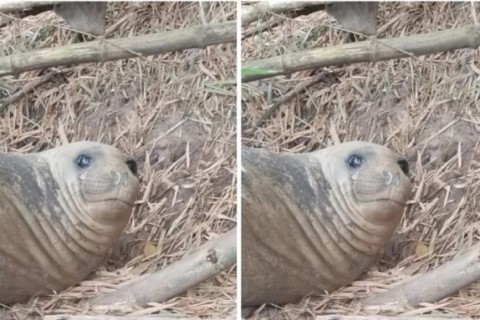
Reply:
x=361, y=229
x=78, y=222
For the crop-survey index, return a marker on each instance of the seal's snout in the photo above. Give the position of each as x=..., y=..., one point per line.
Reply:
x=132, y=166
x=403, y=164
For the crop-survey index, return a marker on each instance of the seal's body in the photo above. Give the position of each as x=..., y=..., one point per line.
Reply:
x=60, y=212
x=315, y=222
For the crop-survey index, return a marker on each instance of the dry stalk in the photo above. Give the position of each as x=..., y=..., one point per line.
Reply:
x=10, y=6
x=104, y=50
x=4, y=103
x=290, y=95
x=253, y=12
x=70, y=317
x=364, y=51
x=211, y=258
x=432, y=286
x=375, y=317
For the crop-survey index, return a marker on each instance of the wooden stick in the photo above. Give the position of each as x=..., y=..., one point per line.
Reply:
x=11, y=6
x=290, y=95
x=255, y=11
x=4, y=103
x=262, y=27
x=432, y=286
x=113, y=49
x=104, y=317
x=377, y=317
x=173, y=317
x=364, y=51
x=211, y=258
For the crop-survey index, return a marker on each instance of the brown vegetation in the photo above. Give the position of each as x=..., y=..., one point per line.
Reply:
x=424, y=107
x=174, y=112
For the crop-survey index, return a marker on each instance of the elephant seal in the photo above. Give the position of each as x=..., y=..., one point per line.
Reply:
x=314, y=222
x=60, y=212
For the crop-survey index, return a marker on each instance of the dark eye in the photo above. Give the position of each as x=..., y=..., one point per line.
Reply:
x=355, y=161
x=132, y=165
x=83, y=161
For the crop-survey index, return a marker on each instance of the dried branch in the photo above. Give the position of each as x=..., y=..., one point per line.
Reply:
x=104, y=317
x=275, y=21
x=211, y=258
x=104, y=50
x=11, y=6
x=377, y=317
x=4, y=103
x=432, y=286
x=255, y=11
x=364, y=51
x=290, y=95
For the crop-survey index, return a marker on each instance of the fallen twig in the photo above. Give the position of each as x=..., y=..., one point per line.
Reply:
x=290, y=95
x=113, y=49
x=4, y=103
x=432, y=286
x=377, y=317
x=211, y=258
x=255, y=11
x=363, y=51
x=71, y=317
x=262, y=27
x=11, y=6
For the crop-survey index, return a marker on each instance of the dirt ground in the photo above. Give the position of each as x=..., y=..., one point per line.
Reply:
x=175, y=113
x=427, y=108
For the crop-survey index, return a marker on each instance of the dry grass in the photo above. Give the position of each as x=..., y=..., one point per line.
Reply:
x=427, y=108
x=174, y=112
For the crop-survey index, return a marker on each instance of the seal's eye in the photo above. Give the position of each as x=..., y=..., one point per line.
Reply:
x=132, y=165
x=355, y=161
x=83, y=161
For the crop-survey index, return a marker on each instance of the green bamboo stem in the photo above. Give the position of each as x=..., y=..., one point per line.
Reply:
x=114, y=49
x=364, y=51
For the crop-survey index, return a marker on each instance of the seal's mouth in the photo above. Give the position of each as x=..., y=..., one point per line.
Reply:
x=131, y=204
x=114, y=201
x=388, y=200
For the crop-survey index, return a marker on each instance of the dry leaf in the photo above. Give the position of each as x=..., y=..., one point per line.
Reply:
x=149, y=249
x=421, y=249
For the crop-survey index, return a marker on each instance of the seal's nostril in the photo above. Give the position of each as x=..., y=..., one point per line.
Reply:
x=403, y=165
x=132, y=165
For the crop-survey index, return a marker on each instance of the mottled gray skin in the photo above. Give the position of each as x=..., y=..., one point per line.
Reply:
x=310, y=223
x=57, y=221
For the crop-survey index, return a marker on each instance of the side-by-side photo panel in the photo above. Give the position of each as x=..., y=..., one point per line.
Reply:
x=360, y=139
x=118, y=165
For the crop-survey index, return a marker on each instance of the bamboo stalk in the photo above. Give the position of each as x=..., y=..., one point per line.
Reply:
x=364, y=51
x=440, y=283
x=104, y=50
x=211, y=258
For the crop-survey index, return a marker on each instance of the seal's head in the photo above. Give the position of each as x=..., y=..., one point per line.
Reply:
x=372, y=179
x=94, y=179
